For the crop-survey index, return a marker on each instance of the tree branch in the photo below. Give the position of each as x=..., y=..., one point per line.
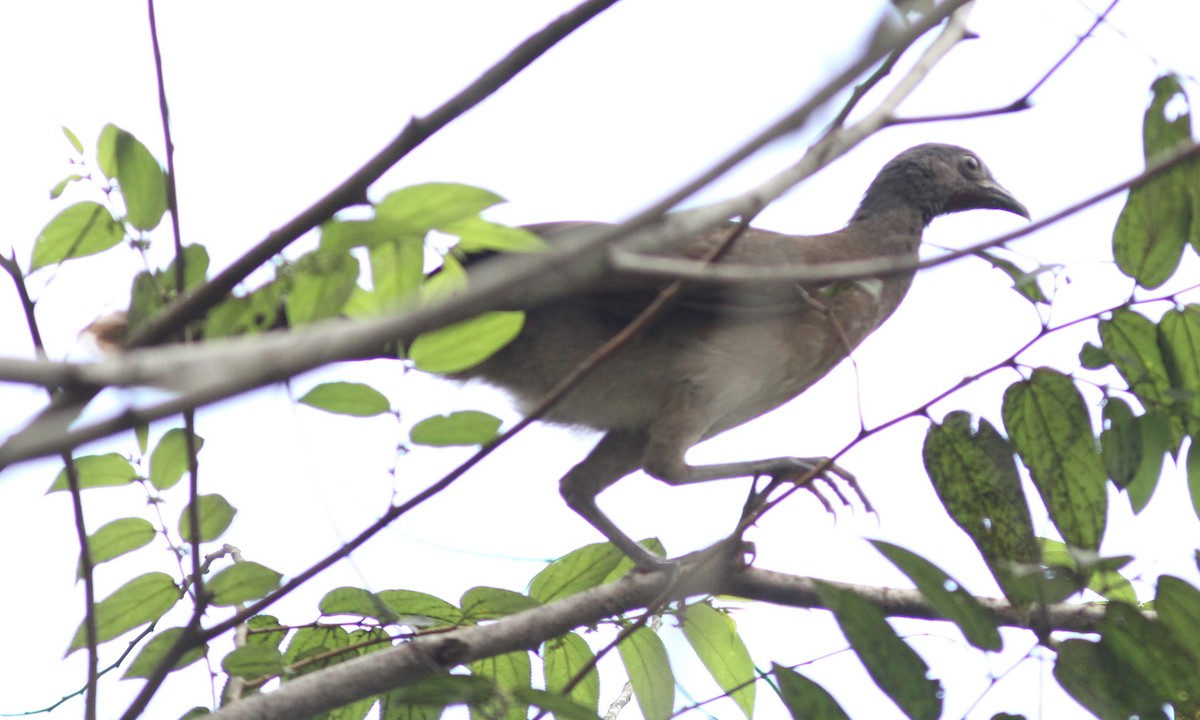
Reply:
x=222, y=369
x=434, y=654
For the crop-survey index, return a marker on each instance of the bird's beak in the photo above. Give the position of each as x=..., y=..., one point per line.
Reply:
x=997, y=198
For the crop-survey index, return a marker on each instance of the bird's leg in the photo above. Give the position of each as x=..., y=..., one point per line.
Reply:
x=669, y=440
x=615, y=456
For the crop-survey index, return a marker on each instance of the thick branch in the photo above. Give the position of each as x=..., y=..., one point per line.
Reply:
x=434, y=654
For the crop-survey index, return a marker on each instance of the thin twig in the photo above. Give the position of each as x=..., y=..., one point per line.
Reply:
x=86, y=564
x=1025, y=101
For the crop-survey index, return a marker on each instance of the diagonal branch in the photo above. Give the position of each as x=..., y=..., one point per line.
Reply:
x=222, y=369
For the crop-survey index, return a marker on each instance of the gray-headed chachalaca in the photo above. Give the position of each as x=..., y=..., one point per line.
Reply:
x=720, y=356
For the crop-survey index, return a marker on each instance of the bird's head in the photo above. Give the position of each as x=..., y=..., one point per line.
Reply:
x=935, y=179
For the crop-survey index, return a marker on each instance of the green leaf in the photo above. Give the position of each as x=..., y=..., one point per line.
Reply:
x=946, y=595
x=1155, y=222
x=125, y=159
x=1131, y=342
x=1025, y=283
x=73, y=139
x=1150, y=651
x=463, y=345
x=78, y=230
x=1178, y=606
x=265, y=630
x=1092, y=357
x=449, y=279
x=891, y=663
x=1098, y=681
x=976, y=478
x=1179, y=341
x=169, y=460
x=714, y=637
x=478, y=235
x=1120, y=442
x=356, y=601
x=241, y=582
x=467, y=427
x=418, y=609
x=61, y=186
x=322, y=282
x=347, y=398
x=645, y=660
x=510, y=671
x=626, y=564
x=1101, y=575
x=578, y=570
x=805, y=699
x=152, y=654
x=254, y=313
x=146, y=298
x=215, y=516
x=195, y=267
x=563, y=708
x=253, y=662
x=1049, y=425
x=1155, y=428
x=142, y=600
x=311, y=641
x=488, y=603
x=116, y=538
x=440, y=691
x=94, y=471
x=420, y=208
x=1193, y=475
x=397, y=270
x=565, y=657
x=341, y=235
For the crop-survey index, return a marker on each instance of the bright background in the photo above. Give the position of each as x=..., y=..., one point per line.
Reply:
x=273, y=103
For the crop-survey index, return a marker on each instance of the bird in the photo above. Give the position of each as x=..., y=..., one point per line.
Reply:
x=720, y=356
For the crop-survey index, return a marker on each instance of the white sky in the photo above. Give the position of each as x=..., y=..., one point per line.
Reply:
x=273, y=103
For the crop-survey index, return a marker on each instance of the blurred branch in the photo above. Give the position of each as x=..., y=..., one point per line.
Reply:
x=434, y=654
x=222, y=369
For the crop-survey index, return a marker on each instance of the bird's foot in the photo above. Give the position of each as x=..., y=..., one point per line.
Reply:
x=828, y=473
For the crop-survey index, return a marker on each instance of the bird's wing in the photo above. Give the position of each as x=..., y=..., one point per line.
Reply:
x=625, y=295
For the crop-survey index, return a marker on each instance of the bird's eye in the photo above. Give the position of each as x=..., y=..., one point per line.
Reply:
x=971, y=163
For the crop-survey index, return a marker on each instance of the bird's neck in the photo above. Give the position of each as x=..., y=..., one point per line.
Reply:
x=887, y=231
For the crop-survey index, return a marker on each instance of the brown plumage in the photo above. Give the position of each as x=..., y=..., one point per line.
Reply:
x=722, y=356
